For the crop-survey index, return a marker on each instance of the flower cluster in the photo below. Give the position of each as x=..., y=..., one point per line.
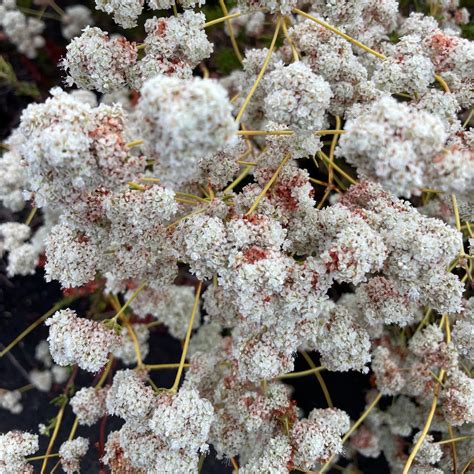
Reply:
x=23, y=32
x=316, y=199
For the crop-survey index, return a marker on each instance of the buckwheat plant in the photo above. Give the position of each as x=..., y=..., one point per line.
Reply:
x=260, y=180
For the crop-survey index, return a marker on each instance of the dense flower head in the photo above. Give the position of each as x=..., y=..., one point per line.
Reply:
x=129, y=397
x=92, y=57
x=318, y=437
x=183, y=420
x=70, y=148
x=71, y=452
x=15, y=446
x=234, y=214
x=183, y=121
x=88, y=404
x=297, y=97
x=391, y=138
x=125, y=13
x=74, y=340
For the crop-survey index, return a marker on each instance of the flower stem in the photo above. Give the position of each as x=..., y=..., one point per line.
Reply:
x=31, y=327
x=262, y=71
x=268, y=185
x=174, y=388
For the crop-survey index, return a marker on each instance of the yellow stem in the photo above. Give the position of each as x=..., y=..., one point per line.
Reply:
x=73, y=429
x=127, y=303
x=194, y=213
x=468, y=225
x=456, y=212
x=426, y=427
x=454, y=440
x=319, y=378
x=234, y=465
x=340, y=33
x=185, y=201
x=239, y=178
x=136, y=346
x=56, y=8
x=192, y=196
x=135, y=186
x=233, y=40
x=164, y=366
x=354, y=427
x=247, y=163
x=317, y=181
x=290, y=42
x=442, y=83
x=323, y=199
x=25, y=388
x=220, y=20
x=105, y=372
x=303, y=373
x=268, y=185
x=262, y=71
x=332, y=148
x=134, y=143
x=466, y=467
x=174, y=388
x=57, y=425
x=31, y=327
x=39, y=458
x=204, y=70
x=329, y=132
x=337, y=168
x=468, y=119
x=30, y=216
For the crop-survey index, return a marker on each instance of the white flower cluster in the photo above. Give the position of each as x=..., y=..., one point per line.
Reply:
x=332, y=58
x=408, y=69
x=71, y=452
x=70, y=148
x=274, y=6
x=95, y=61
x=74, y=340
x=242, y=186
x=12, y=178
x=451, y=55
x=22, y=255
x=173, y=47
x=125, y=13
x=23, y=32
x=162, y=433
x=297, y=97
x=75, y=19
x=11, y=400
x=391, y=138
x=88, y=404
x=170, y=305
x=252, y=24
x=15, y=446
x=183, y=121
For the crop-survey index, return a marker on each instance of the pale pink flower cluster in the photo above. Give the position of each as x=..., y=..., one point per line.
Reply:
x=170, y=182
